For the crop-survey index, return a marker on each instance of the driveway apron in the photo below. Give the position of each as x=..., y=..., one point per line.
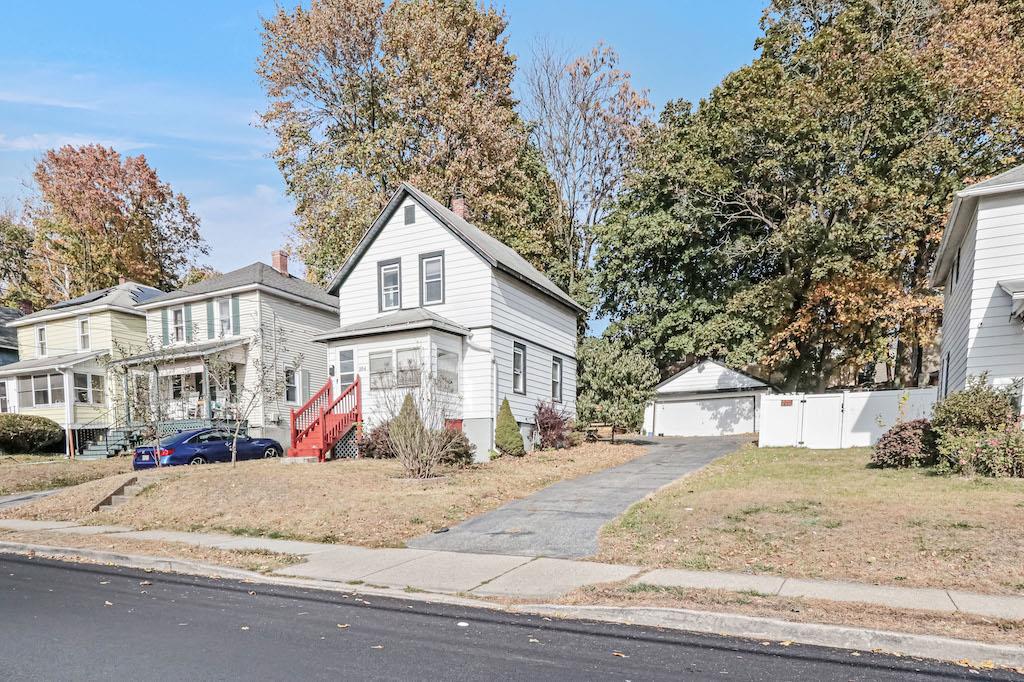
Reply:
x=563, y=519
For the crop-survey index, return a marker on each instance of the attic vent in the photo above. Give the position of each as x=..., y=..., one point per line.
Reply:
x=410, y=214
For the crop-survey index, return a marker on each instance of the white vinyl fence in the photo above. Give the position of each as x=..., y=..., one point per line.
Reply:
x=839, y=420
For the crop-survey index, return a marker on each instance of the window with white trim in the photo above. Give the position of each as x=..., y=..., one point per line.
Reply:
x=88, y=388
x=83, y=333
x=291, y=386
x=432, y=279
x=177, y=325
x=41, y=340
x=47, y=389
x=519, y=368
x=556, y=379
x=408, y=364
x=382, y=370
x=448, y=370
x=390, y=279
x=5, y=405
x=224, y=318
x=346, y=368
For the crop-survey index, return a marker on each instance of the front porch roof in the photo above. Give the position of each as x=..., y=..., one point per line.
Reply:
x=57, y=362
x=1015, y=288
x=171, y=354
x=398, y=321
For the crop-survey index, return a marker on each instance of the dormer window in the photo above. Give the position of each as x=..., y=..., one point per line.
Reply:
x=432, y=278
x=41, y=340
x=389, y=284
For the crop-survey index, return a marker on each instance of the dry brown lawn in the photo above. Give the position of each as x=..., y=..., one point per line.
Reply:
x=958, y=625
x=250, y=560
x=360, y=502
x=19, y=474
x=824, y=514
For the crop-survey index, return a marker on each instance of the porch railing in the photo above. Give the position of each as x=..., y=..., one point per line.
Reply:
x=326, y=418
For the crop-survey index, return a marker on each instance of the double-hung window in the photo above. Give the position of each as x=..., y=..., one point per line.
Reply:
x=47, y=389
x=41, y=340
x=224, y=317
x=382, y=370
x=556, y=379
x=519, y=368
x=389, y=282
x=83, y=333
x=346, y=368
x=291, y=386
x=432, y=278
x=178, y=325
x=88, y=388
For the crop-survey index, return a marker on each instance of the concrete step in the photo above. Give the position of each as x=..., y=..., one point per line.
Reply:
x=118, y=500
x=131, y=490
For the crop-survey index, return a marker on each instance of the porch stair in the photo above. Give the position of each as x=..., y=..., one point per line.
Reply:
x=110, y=444
x=317, y=426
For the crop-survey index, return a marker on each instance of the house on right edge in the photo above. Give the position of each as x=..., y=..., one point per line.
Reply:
x=980, y=267
x=425, y=289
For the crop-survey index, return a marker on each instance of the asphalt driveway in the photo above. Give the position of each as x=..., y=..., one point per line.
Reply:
x=563, y=519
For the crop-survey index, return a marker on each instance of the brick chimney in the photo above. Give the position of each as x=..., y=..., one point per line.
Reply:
x=459, y=205
x=279, y=261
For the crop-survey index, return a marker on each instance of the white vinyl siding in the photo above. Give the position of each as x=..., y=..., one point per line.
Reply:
x=519, y=308
x=467, y=278
x=538, y=376
x=995, y=341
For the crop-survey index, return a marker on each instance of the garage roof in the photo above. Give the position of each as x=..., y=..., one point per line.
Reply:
x=709, y=376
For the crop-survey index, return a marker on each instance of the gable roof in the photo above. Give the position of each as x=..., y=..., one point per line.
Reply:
x=124, y=297
x=255, y=274
x=495, y=253
x=738, y=379
x=8, y=335
x=398, y=321
x=964, y=203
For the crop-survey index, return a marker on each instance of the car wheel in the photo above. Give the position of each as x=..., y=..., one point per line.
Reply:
x=197, y=460
x=271, y=452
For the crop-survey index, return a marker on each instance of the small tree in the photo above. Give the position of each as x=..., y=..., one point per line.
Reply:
x=507, y=436
x=615, y=383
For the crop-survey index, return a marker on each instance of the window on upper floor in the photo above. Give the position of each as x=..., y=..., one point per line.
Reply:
x=432, y=278
x=556, y=379
x=389, y=282
x=83, y=333
x=177, y=325
x=41, y=340
x=410, y=214
x=225, y=323
x=519, y=368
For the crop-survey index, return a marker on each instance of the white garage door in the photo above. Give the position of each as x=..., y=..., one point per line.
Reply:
x=705, y=417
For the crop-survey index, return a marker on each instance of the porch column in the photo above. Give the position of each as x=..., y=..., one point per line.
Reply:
x=69, y=412
x=207, y=408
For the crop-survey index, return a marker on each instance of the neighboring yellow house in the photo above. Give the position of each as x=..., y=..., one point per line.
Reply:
x=61, y=372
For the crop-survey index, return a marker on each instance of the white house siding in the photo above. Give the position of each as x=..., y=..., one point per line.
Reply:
x=996, y=341
x=538, y=374
x=298, y=324
x=467, y=277
x=248, y=317
x=518, y=308
x=956, y=318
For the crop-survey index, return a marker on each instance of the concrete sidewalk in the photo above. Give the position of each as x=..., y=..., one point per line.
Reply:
x=521, y=577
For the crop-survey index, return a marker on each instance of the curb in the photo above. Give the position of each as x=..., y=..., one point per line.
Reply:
x=835, y=636
x=734, y=625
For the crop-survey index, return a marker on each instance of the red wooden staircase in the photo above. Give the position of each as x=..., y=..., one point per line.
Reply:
x=324, y=420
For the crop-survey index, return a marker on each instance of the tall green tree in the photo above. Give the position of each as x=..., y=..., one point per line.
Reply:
x=615, y=383
x=365, y=95
x=15, y=246
x=792, y=217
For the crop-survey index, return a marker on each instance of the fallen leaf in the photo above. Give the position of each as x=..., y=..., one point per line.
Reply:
x=107, y=603
x=619, y=654
x=146, y=582
x=534, y=641
x=786, y=643
x=252, y=593
x=462, y=624
x=342, y=625
x=245, y=627
x=377, y=646
x=104, y=582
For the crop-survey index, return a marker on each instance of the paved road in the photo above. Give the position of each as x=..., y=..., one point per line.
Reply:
x=563, y=520
x=68, y=621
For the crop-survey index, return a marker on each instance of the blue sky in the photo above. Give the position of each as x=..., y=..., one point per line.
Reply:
x=176, y=82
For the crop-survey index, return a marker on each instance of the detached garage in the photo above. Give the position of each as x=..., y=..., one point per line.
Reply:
x=706, y=399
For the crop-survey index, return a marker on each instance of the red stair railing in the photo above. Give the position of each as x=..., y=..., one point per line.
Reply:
x=325, y=419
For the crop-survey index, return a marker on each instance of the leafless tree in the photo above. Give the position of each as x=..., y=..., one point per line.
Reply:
x=585, y=115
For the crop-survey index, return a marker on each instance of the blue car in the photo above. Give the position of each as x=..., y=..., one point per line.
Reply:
x=201, y=446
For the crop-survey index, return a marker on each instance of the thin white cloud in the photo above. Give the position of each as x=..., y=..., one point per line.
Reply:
x=43, y=101
x=40, y=141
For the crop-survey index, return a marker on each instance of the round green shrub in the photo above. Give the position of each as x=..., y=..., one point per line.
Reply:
x=997, y=452
x=27, y=433
x=507, y=437
x=906, y=444
x=458, y=450
x=978, y=408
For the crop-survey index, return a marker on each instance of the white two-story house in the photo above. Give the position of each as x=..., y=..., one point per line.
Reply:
x=216, y=347
x=980, y=267
x=425, y=291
